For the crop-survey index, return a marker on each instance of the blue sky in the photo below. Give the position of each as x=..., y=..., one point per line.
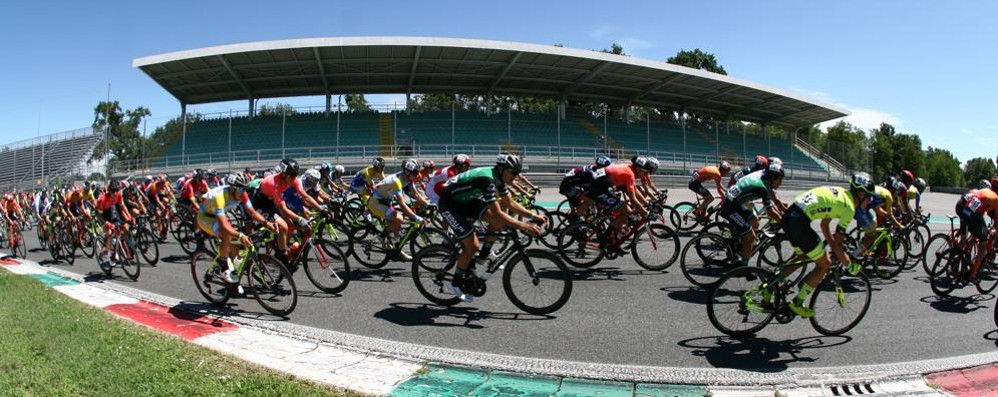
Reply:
x=928, y=67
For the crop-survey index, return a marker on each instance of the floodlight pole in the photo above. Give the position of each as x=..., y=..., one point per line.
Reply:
x=230, y=140
x=685, y=153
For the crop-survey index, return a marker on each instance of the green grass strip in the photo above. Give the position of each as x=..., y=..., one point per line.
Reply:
x=51, y=345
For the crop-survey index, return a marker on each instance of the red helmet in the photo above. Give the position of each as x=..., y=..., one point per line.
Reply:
x=761, y=162
x=907, y=177
x=8, y=196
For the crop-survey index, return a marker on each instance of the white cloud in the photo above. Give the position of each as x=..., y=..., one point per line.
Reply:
x=632, y=45
x=864, y=118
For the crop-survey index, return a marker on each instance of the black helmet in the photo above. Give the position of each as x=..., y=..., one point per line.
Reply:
x=410, y=166
x=603, y=161
x=862, y=181
x=198, y=174
x=774, y=170
x=510, y=161
x=288, y=167
x=378, y=162
x=920, y=184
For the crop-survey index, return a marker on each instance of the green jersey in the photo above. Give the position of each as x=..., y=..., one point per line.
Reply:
x=477, y=184
x=748, y=189
x=827, y=202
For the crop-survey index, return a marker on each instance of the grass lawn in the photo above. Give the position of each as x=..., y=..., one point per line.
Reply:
x=52, y=345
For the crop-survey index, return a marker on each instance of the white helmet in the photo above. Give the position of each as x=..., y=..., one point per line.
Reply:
x=312, y=175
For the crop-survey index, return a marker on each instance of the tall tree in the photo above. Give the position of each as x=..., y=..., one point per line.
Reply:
x=977, y=169
x=277, y=109
x=615, y=49
x=942, y=168
x=356, y=103
x=124, y=142
x=697, y=59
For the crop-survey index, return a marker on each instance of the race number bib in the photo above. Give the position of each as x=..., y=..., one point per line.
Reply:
x=974, y=203
x=734, y=192
x=599, y=173
x=807, y=200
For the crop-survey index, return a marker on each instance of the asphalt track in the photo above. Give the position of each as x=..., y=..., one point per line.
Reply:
x=618, y=313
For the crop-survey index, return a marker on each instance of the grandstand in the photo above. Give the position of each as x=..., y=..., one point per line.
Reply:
x=28, y=163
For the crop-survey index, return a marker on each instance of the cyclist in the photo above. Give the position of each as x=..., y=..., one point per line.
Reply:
x=881, y=202
x=704, y=174
x=363, y=183
x=193, y=188
x=620, y=176
x=212, y=178
x=575, y=183
x=337, y=179
x=971, y=208
x=158, y=190
x=391, y=189
x=328, y=178
x=133, y=199
x=473, y=196
x=74, y=202
x=435, y=187
x=269, y=201
x=900, y=192
x=113, y=210
x=761, y=162
x=213, y=220
x=11, y=209
x=915, y=192
x=737, y=207
x=825, y=203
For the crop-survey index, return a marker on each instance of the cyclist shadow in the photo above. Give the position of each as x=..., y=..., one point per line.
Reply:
x=223, y=311
x=609, y=273
x=992, y=336
x=100, y=277
x=384, y=274
x=178, y=259
x=751, y=353
x=957, y=304
x=423, y=314
x=688, y=294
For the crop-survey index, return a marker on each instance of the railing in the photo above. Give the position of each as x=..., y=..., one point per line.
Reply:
x=823, y=156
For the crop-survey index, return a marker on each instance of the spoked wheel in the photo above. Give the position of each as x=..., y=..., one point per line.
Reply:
x=208, y=278
x=428, y=236
x=840, y=302
x=734, y=304
x=432, y=268
x=67, y=246
x=579, y=245
x=186, y=235
x=147, y=247
x=706, y=258
x=87, y=247
x=272, y=285
x=935, y=247
x=655, y=247
x=888, y=265
x=368, y=247
x=917, y=239
x=777, y=253
x=17, y=246
x=946, y=272
x=987, y=276
x=128, y=259
x=687, y=220
x=537, y=282
x=556, y=223
x=326, y=266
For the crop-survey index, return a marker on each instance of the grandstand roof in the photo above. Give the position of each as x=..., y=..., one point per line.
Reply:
x=345, y=65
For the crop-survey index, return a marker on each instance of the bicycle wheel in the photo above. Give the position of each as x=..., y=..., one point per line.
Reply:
x=945, y=272
x=326, y=266
x=655, y=247
x=579, y=245
x=669, y=212
x=706, y=258
x=187, y=237
x=208, y=278
x=888, y=265
x=272, y=285
x=432, y=269
x=727, y=308
x=687, y=221
x=42, y=238
x=556, y=223
x=564, y=207
x=147, y=247
x=368, y=247
x=537, y=282
x=127, y=257
x=777, y=253
x=426, y=237
x=916, y=247
x=935, y=247
x=840, y=302
x=67, y=246
x=987, y=277
x=17, y=246
x=87, y=247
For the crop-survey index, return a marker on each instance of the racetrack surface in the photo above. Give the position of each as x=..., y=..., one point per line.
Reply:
x=618, y=313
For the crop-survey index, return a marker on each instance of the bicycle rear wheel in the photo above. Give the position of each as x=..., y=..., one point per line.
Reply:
x=987, y=277
x=426, y=237
x=935, y=247
x=946, y=272
x=208, y=278
x=728, y=307
x=840, y=302
x=432, y=269
x=916, y=245
x=655, y=247
x=888, y=265
x=706, y=258
x=127, y=257
x=148, y=247
x=687, y=221
x=272, y=285
x=579, y=245
x=326, y=266
x=368, y=247
x=537, y=282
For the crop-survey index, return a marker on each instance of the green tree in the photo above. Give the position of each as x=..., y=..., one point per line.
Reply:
x=124, y=143
x=356, y=103
x=942, y=168
x=978, y=168
x=277, y=109
x=434, y=102
x=615, y=49
x=883, y=151
x=697, y=59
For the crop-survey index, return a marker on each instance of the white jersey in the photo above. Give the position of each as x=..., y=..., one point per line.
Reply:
x=438, y=178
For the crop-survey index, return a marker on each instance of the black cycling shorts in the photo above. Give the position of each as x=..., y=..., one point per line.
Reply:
x=805, y=240
x=971, y=220
x=699, y=188
x=462, y=216
x=741, y=219
x=111, y=215
x=263, y=205
x=604, y=195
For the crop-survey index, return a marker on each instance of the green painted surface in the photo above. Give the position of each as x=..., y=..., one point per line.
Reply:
x=514, y=384
x=54, y=280
x=660, y=390
x=441, y=381
x=585, y=387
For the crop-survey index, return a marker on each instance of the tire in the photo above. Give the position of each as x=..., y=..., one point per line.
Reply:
x=272, y=285
x=655, y=247
x=17, y=246
x=89, y=249
x=987, y=276
x=148, y=247
x=127, y=256
x=326, y=266
x=556, y=223
x=934, y=247
x=946, y=271
x=890, y=265
x=706, y=259
x=725, y=309
x=687, y=221
x=579, y=245
x=563, y=207
x=428, y=236
x=367, y=246
x=777, y=253
x=916, y=247
x=537, y=273
x=669, y=213
x=187, y=237
x=432, y=268
x=211, y=286
x=68, y=247
x=834, y=317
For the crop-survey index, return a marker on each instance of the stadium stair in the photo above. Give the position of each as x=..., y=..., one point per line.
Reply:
x=386, y=137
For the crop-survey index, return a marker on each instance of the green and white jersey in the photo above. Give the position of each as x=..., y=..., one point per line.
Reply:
x=748, y=189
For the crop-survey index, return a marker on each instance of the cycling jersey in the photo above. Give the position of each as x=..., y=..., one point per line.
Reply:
x=827, y=202
x=739, y=175
x=881, y=197
x=367, y=177
x=983, y=201
x=192, y=189
x=391, y=187
x=707, y=173
x=618, y=175
x=577, y=180
x=475, y=185
x=748, y=189
x=435, y=186
x=108, y=200
x=217, y=202
x=273, y=187
x=10, y=206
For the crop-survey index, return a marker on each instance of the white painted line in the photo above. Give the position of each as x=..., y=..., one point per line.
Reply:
x=98, y=297
x=803, y=392
x=909, y=386
x=740, y=391
x=24, y=268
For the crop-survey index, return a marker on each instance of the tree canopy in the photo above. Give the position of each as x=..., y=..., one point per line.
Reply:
x=697, y=59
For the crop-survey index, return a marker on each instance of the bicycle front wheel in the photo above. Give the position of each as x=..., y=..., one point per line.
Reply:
x=987, y=276
x=272, y=285
x=537, y=282
x=655, y=247
x=208, y=279
x=706, y=258
x=840, y=302
x=687, y=221
x=888, y=264
x=368, y=247
x=326, y=267
x=935, y=247
x=148, y=247
x=946, y=272
x=432, y=269
x=579, y=245
x=127, y=258
x=736, y=293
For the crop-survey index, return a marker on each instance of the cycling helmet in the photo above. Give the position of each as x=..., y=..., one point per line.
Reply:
x=198, y=174
x=775, y=160
x=774, y=170
x=114, y=186
x=288, y=167
x=461, y=159
x=149, y=178
x=210, y=172
x=8, y=196
x=410, y=166
x=378, y=162
x=429, y=164
x=920, y=184
x=652, y=165
x=724, y=166
x=906, y=177
x=510, y=161
x=326, y=166
x=862, y=181
x=649, y=164
x=761, y=162
x=339, y=169
x=236, y=180
x=312, y=175
x=86, y=185
x=603, y=161
x=985, y=184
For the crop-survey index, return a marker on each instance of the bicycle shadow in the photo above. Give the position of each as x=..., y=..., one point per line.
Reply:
x=956, y=304
x=304, y=293
x=688, y=294
x=100, y=277
x=384, y=274
x=409, y=314
x=228, y=310
x=178, y=259
x=992, y=336
x=755, y=354
x=610, y=273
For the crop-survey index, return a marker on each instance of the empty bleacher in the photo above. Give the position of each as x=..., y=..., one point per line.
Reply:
x=56, y=155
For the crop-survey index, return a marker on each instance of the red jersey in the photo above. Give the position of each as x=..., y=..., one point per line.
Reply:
x=618, y=175
x=191, y=189
x=108, y=200
x=10, y=205
x=984, y=201
x=273, y=187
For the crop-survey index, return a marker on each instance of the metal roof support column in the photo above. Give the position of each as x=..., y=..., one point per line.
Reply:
x=717, y=141
x=284, y=120
x=338, y=111
x=230, y=141
x=793, y=142
x=557, y=120
x=183, y=132
x=252, y=108
x=744, y=145
x=648, y=132
x=509, y=126
x=606, y=131
x=452, y=122
x=685, y=153
x=408, y=103
x=329, y=103
x=769, y=143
